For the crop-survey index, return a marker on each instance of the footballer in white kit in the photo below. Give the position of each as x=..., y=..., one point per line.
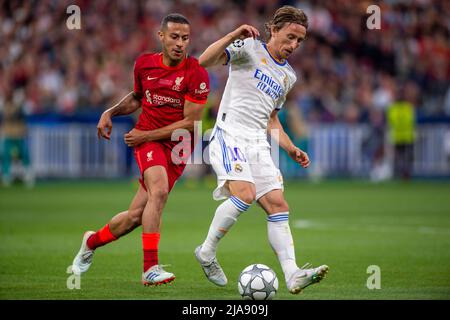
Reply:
x=239, y=148
x=259, y=80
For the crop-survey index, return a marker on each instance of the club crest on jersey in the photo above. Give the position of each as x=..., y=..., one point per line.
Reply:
x=177, y=85
x=238, y=168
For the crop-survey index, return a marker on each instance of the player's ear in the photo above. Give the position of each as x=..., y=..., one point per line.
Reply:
x=273, y=29
x=160, y=35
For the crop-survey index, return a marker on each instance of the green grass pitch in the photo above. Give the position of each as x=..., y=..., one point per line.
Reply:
x=404, y=228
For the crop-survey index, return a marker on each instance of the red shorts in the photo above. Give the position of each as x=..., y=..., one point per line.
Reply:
x=153, y=153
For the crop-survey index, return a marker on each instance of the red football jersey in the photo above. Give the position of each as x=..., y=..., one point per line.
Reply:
x=164, y=90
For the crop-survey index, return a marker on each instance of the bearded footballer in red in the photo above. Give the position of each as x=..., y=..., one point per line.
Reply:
x=171, y=88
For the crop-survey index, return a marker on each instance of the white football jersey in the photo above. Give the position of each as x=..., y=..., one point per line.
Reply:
x=257, y=84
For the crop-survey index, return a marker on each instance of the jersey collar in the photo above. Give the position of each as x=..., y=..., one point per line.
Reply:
x=179, y=66
x=274, y=60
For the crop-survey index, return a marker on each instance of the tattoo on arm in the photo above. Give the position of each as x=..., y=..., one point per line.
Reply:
x=129, y=104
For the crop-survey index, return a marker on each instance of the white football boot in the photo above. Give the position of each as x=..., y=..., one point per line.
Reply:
x=83, y=259
x=212, y=269
x=304, y=277
x=156, y=275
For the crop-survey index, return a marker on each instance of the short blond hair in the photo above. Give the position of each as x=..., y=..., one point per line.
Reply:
x=286, y=14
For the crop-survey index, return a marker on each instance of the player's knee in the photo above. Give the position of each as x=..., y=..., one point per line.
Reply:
x=159, y=194
x=134, y=217
x=276, y=206
x=247, y=196
x=281, y=206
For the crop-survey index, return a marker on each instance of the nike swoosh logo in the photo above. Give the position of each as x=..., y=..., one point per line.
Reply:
x=148, y=78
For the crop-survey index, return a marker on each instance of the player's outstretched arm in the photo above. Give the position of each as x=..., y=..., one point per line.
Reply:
x=276, y=131
x=129, y=104
x=192, y=112
x=215, y=53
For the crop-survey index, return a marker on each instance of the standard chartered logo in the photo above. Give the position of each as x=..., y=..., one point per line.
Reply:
x=159, y=99
x=165, y=99
x=148, y=96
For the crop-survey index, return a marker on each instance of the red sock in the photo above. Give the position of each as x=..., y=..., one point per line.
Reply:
x=150, y=243
x=100, y=238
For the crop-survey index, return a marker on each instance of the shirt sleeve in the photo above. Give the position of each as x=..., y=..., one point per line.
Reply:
x=237, y=51
x=282, y=99
x=137, y=80
x=198, y=87
x=281, y=102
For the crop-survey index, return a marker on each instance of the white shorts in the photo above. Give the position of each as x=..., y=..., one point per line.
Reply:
x=238, y=158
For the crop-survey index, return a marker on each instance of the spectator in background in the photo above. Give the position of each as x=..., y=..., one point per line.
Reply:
x=348, y=73
x=401, y=118
x=15, y=144
x=374, y=147
x=341, y=64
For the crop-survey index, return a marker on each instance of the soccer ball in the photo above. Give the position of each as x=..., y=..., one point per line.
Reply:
x=258, y=282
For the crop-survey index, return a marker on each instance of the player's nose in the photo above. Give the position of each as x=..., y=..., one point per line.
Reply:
x=293, y=45
x=179, y=43
x=292, y=49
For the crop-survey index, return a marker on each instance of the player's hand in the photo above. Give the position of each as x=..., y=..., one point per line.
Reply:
x=135, y=137
x=104, y=126
x=300, y=157
x=245, y=31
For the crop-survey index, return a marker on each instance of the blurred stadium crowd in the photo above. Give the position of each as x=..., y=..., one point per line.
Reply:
x=348, y=73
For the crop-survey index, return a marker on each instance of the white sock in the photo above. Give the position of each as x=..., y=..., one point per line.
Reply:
x=280, y=238
x=224, y=218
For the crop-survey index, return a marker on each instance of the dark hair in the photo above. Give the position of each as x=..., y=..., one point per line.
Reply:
x=286, y=14
x=175, y=18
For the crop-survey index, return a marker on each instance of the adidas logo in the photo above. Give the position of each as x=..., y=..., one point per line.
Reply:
x=151, y=276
